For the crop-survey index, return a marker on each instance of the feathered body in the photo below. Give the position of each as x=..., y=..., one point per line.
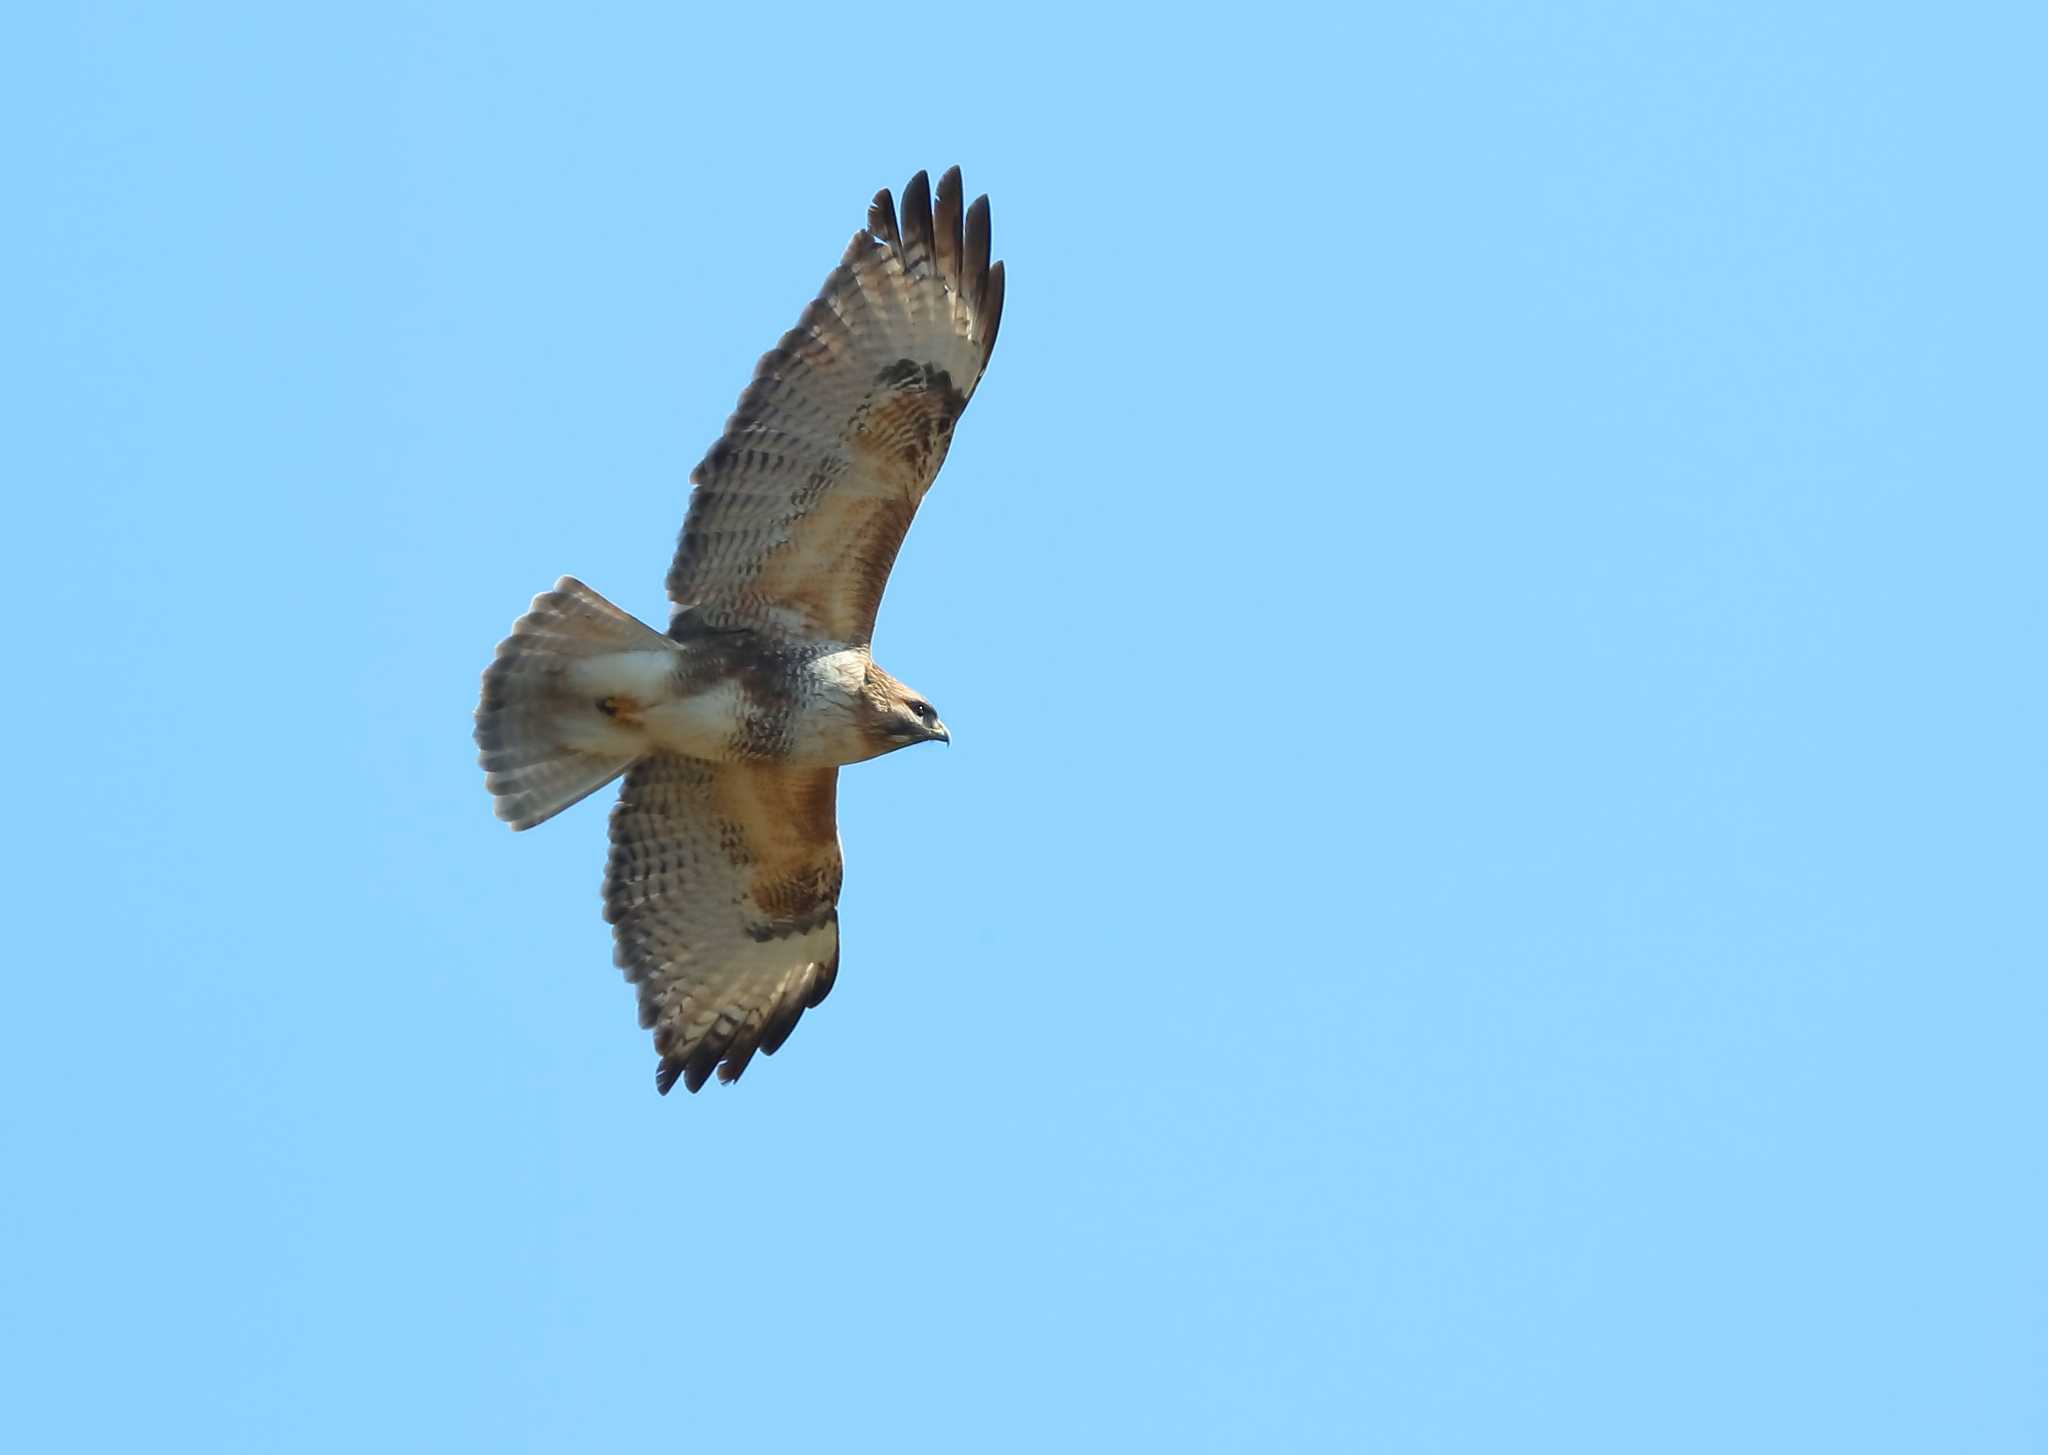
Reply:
x=731, y=727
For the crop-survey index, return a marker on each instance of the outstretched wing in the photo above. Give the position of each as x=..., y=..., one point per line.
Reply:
x=801, y=505
x=722, y=891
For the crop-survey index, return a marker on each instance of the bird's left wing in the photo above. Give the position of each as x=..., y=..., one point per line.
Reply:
x=723, y=892
x=802, y=504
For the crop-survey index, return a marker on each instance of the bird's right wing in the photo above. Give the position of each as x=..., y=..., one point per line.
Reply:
x=723, y=891
x=802, y=504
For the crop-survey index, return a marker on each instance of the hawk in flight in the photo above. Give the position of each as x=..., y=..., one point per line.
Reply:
x=731, y=727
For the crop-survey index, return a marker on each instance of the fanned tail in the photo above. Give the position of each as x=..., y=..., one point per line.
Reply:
x=545, y=735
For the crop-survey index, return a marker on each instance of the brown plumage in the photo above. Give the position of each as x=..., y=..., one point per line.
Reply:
x=723, y=882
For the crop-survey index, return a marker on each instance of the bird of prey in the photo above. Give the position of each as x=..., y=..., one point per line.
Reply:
x=730, y=727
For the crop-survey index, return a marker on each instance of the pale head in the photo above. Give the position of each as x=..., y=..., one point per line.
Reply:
x=893, y=716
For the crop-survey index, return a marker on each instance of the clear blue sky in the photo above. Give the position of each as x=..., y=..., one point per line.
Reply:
x=1489, y=890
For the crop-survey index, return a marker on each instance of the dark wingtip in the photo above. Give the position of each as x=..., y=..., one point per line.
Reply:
x=666, y=1073
x=777, y=1030
x=992, y=309
x=697, y=1070
x=882, y=218
x=729, y=1071
x=946, y=227
x=916, y=217
x=974, y=264
x=822, y=982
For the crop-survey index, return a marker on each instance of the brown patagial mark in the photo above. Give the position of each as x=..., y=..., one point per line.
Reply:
x=905, y=429
x=794, y=900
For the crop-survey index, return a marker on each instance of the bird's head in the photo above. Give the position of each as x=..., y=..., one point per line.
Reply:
x=897, y=716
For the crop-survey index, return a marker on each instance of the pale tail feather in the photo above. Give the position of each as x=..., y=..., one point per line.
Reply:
x=543, y=740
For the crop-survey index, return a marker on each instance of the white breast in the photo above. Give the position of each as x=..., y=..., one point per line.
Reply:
x=827, y=724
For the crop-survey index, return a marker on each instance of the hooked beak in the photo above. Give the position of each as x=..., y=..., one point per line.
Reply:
x=939, y=732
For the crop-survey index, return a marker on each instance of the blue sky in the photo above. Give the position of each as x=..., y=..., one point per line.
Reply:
x=1488, y=891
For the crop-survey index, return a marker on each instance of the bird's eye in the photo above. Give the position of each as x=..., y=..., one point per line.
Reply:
x=923, y=710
